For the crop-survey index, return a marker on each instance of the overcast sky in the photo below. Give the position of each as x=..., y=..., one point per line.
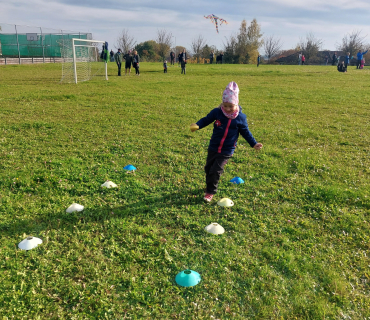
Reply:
x=289, y=20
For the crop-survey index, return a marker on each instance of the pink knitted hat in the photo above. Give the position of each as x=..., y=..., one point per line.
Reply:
x=231, y=93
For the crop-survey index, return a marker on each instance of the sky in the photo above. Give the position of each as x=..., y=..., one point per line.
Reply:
x=289, y=20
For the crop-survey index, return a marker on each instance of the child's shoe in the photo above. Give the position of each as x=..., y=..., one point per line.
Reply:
x=208, y=197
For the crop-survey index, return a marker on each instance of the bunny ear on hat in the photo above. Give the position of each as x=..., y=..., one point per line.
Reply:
x=233, y=87
x=231, y=93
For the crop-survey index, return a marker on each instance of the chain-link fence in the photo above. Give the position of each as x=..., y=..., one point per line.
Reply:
x=25, y=44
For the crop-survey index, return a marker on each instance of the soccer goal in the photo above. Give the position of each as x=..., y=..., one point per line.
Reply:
x=81, y=60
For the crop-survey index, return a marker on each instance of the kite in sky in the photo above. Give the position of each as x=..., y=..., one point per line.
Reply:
x=215, y=19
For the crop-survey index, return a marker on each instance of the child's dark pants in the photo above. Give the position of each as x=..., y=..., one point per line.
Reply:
x=214, y=168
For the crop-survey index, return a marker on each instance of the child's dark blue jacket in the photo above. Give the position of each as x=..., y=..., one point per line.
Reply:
x=226, y=131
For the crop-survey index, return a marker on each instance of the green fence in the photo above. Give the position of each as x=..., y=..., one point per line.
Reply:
x=34, y=45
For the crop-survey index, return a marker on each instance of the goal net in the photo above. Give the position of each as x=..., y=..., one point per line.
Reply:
x=81, y=60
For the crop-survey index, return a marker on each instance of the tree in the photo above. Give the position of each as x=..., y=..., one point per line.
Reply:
x=125, y=42
x=230, y=48
x=255, y=42
x=272, y=47
x=206, y=51
x=352, y=43
x=148, y=50
x=197, y=45
x=244, y=46
x=309, y=46
x=164, y=40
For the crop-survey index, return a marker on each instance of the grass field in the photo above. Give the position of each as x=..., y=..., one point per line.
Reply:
x=297, y=239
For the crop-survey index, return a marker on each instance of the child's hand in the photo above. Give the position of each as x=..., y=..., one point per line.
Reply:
x=258, y=146
x=194, y=127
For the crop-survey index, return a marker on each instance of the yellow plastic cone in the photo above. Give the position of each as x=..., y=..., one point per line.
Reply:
x=225, y=202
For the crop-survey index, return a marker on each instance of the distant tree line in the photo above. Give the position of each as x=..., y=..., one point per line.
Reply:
x=311, y=47
x=243, y=47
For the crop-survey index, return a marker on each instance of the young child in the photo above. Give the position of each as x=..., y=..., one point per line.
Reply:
x=362, y=63
x=165, y=66
x=228, y=122
x=341, y=67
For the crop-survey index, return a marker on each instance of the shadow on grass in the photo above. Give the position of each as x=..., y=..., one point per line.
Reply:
x=150, y=208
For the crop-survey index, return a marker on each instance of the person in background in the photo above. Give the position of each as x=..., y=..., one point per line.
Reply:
x=183, y=61
x=258, y=60
x=179, y=58
x=172, y=56
x=135, y=63
x=359, y=58
x=183, y=66
x=118, y=59
x=362, y=63
x=183, y=55
x=211, y=56
x=111, y=54
x=220, y=58
x=303, y=59
x=346, y=60
x=341, y=67
x=128, y=58
x=335, y=59
x=300, y=58
x=165, y=66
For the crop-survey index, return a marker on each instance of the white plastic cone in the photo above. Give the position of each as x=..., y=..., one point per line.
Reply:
x=109, y=184
x=29, y=243
x=214, y=228
x=74, y=207
x=225, y=202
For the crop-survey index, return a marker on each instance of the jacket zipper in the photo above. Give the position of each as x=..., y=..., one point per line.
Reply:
x=224, y=137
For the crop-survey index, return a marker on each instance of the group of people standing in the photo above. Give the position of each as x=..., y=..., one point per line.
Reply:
x=131, y=59
x=342, y=66
x=360, y=59
x=301, y=59
x=219, y=57
x=182, y=57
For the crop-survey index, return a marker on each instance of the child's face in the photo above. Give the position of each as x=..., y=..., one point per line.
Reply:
x=229, y=107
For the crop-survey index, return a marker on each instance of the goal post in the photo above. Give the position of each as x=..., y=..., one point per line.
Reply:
x=81, y=60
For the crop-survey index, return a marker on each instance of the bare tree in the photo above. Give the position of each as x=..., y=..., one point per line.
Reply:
x=309, y=46
x=230, y=50
x=125, y=42
x=352, y=43
x=164, y=40
x=197, y=45
x=272, y=47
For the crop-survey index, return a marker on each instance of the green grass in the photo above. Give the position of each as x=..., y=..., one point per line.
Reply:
x=297, y=239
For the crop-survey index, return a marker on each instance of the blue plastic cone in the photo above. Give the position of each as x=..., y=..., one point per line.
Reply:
x=187, y=278
x=237, y=180
x=129, y=167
